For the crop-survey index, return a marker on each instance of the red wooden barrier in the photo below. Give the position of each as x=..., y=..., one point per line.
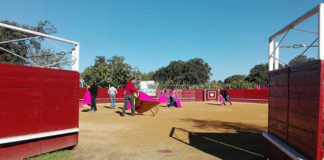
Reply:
x=296, y=108
x=190, y=95
x=240, y=95
x=249, y=95
x=183, y=94
x=39, y=110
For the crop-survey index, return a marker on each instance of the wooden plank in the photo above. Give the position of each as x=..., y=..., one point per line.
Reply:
x=59, y=142
x=32, y=148
x=278, y=92
x=36, y=100
x=304, y=92
x=308, y=66
x=280, y=103
x=278, y=114
x=19, y=82
x=302, y=141
x=9, y=70
x=279, y=71
x=303, y=106
x=304, y=122
x=279, y=80
x=278, y=129
x=308, y=77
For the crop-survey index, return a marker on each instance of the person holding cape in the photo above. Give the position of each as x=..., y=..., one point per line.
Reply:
x=130, y=91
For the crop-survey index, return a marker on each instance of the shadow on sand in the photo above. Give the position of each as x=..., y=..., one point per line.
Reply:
x=109, y=107
x=127, y=113
x=85, y=110
x=216, y=104
x=246, y=142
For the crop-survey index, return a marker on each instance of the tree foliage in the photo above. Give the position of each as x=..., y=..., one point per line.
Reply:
x=237, y=82
x=259, y=75
x=104, y=73
x=30, y=49
x=300, y=59
x=185, y=73
x=99, y=74
x=121, y=71
x=141, y=75
x=234, y=78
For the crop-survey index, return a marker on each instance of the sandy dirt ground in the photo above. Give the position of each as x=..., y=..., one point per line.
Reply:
x=198, y=131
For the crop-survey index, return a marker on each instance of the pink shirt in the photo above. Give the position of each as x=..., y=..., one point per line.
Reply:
x=174, y=93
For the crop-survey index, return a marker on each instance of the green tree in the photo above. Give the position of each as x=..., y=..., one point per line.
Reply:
x=142, y=76
x=259, y=75
x=100, y=60
x=121, y=71
x=299, y=59
x=100, y=73
x=238, y=82
x=30, y=49
x=233, y=78
x=147, y=76
x=183, y=73
x=104, y=73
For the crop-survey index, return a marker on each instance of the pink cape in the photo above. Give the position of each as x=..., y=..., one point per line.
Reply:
x=142, y=97
x=86, y=99
x=178, y=103
x=145, y=97
x=129, y=105
x=163, y=98
x=221, y=99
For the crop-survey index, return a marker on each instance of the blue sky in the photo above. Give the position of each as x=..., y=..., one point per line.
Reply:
x=230, y=35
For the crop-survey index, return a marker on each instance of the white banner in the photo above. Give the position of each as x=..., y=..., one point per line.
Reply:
x=148, y=87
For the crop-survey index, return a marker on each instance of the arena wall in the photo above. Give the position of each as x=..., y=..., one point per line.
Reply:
x=296, y=108
x=193, y=95
x=39, y=110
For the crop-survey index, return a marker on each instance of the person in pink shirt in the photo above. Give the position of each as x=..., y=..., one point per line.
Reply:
x=130, y=90
x=173, y=96
x=163, y=96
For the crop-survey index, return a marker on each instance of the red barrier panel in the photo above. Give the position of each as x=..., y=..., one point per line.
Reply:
x=40, y=103
x=295, y=111
x=199, y=94
x=183, y=94
x=249, y=95
x=242, y=95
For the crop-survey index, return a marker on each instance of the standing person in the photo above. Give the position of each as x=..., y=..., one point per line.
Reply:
x=112, y=93
x=164, y=91
x=224, y=93
x=222, y=100
x=163, y=96
x=130, y=90
x=173, y=96
x=93, y=91
x=86, y=98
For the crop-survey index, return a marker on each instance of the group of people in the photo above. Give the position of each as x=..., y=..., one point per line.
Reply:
x=130, y=90
x=173, y=98
x=224, y=97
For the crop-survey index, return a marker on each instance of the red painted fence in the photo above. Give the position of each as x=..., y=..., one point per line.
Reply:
x=38, y=110
x=295, y=112
x=191, y=95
